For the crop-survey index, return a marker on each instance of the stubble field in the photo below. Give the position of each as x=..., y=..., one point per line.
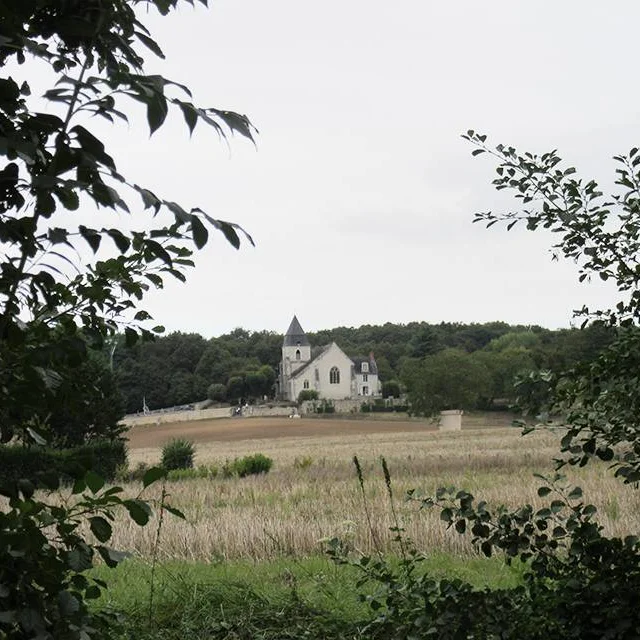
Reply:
x=312, y=492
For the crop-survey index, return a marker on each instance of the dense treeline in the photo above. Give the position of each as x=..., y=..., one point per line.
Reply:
x=182, y=368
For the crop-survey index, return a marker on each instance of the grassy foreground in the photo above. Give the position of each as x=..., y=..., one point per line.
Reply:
x=310, y=598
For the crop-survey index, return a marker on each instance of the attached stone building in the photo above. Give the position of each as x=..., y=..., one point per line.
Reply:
x=328, y=370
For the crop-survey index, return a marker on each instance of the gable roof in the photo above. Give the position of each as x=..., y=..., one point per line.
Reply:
x=295, y=335
x=317, y=357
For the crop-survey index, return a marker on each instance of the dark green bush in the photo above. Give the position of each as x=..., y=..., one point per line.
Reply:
x=249, y=465
x=178, y=454
x=101, y=457
x=307, y=394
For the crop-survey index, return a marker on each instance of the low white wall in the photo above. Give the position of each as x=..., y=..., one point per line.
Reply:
x=204, y=414
x=177, y=416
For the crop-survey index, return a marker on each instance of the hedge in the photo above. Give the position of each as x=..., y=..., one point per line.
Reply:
x=103, y=457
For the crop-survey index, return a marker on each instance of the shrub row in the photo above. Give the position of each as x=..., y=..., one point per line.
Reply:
x=239, y=467
x=381, y=408
x=102, y=457
x=325, y=407
x=249, y=465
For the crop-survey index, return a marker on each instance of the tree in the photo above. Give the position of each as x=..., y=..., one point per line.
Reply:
x=390, y=389
x=54, y=163
x=217, y=392
x=235, y=389
x=450, y=379
x=600, y=398
x=424, y=343
x=55, y=303
x=577, y=582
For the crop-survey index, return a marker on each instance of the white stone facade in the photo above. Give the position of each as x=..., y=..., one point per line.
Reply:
x=330, y=372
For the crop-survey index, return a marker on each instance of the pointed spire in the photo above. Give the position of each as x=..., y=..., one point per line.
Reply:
x=295, y=335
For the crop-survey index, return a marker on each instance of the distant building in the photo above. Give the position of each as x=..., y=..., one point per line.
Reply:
x=328, y=370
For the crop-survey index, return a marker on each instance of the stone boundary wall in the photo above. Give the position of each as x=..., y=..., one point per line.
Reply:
x=204, y=414
x=341, y=406
x=176, y=416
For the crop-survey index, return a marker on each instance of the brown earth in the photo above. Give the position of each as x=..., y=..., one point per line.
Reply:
x=233, y=429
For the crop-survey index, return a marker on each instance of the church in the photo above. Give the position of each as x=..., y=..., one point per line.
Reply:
x=327, y=370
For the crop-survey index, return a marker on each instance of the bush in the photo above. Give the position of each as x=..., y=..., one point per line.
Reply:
x=202, y=471
x=217, y=392
x=101, y=457
x=325, y=407
x=307, y=394
x=249, y=465
x=178, y=454
x=391, y=389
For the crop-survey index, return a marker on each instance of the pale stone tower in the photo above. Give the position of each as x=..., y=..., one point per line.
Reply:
x=296, y=351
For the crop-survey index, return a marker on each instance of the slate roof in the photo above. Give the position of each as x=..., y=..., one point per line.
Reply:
x=295, y=335
x=373, y=367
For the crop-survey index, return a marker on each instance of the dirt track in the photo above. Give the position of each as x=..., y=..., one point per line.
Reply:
x=234, y=429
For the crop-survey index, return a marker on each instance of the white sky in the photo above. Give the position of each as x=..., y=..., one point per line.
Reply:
x=361, y=193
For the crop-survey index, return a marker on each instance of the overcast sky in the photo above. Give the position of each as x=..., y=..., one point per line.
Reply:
x=360, y=193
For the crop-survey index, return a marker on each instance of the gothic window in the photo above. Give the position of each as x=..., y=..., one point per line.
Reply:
x=297, y=354
x=334, y=375
x=305, y=384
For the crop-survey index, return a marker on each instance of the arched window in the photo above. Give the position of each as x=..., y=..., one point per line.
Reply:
x=305, y=384
x=334, y=375
x=297, y=354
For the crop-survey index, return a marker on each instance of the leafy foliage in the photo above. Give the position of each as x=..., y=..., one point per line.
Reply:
x=102, y=457
x=54, y=163
x=307, y=394
x=600, y=399
x=67, y=286
x=45, y=555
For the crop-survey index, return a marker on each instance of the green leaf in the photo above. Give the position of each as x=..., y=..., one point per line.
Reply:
x=94, y=481
x=151, y=44
x=78, y=486
x=157, y=111
x=199, y=231
x=175, y=512
x=112, y=557
x=575, y=494
x=139, y=511
x=100, y=528
x=67, y=603
x=543, y=491
x=190, y=115
x=92, y=237
x=152, y=475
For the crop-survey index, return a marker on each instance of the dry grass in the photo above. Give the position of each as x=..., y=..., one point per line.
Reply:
x=288, y=511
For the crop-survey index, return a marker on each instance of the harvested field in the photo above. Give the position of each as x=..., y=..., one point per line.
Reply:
x=234, y=429
x=312, y=492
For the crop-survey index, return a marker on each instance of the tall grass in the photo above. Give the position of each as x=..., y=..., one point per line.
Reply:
x=288, y=511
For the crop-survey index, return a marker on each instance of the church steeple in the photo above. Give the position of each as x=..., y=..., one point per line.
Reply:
x=295, y=336
x=296, y=352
